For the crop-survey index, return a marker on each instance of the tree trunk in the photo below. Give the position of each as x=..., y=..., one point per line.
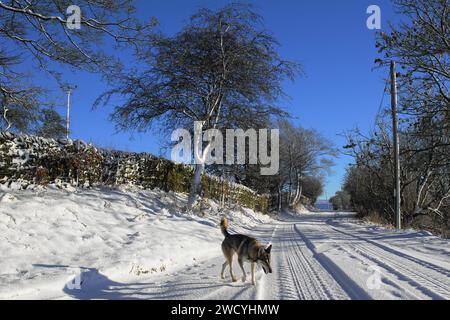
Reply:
x=294, y=199
x=199, y=158
x=280, y=198
x=298, y=192
x=8, y=124
x=195, y=186
x=298, y=195
x=196, y=179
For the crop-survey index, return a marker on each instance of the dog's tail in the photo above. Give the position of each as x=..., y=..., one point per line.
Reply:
x=224, y=227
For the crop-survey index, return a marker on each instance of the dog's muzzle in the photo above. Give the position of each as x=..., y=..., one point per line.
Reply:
x=267, y=270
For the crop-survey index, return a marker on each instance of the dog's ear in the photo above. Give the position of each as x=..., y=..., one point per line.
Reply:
x=269, y=247
x=261, y=252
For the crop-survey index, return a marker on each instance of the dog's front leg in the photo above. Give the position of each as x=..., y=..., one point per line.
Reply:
x=253, y=267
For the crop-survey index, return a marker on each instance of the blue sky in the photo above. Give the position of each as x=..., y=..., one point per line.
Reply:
x=329, y=38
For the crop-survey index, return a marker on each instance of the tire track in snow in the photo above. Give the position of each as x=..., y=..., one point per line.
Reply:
x=350, y=287
x=428, y=278
x=424, y=263
x=387, y=277
x=299, y=275
x=434, y=288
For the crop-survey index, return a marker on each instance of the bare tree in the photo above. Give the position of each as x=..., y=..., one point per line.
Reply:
x=341, y=201
x=303, y=153
x=420, y=46
x=305, y=158
x=221, y=69
x=425, y=187
x=38, y=32
x=51, y=125
x=312, y=188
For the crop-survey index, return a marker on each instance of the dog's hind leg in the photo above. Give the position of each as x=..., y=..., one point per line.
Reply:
x=241, y=264
x=229, y=258
x=224, y=265
x=228, y=253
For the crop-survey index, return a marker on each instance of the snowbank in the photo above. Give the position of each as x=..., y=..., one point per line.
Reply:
x=48, y=237
x=300, y=209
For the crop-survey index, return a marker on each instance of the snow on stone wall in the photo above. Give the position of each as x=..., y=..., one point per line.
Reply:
x=27, y=161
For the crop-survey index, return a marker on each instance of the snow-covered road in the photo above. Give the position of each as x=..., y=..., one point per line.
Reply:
x=128, y=243
x=315, y=256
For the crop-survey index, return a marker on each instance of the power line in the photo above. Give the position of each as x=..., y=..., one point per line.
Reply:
x=377, y=116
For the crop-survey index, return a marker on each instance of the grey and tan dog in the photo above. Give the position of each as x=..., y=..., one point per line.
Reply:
x=247, y=249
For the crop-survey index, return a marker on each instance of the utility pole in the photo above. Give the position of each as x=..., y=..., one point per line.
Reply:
x=68, y=90
x=396, y=145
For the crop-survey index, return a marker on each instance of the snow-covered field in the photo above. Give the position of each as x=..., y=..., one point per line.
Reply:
x=129, y=243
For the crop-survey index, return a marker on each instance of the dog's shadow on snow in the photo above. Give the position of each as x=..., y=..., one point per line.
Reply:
x=88, y=283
